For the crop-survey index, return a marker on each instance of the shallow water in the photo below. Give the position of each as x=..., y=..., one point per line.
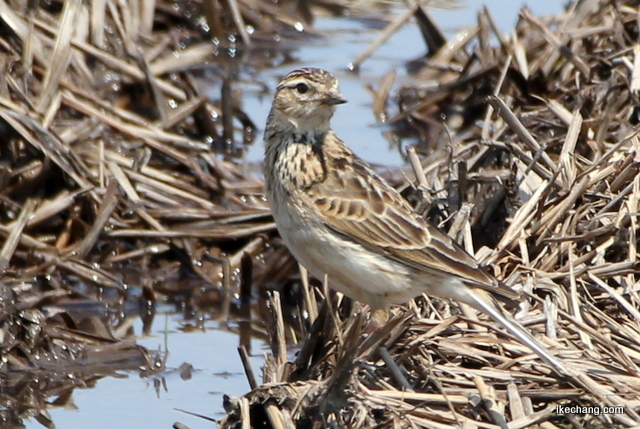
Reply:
x=354, y=122
x=132, y=402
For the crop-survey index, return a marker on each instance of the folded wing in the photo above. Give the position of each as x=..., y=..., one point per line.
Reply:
x=356, y=203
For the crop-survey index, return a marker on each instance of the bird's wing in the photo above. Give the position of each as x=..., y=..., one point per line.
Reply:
x=355, y=202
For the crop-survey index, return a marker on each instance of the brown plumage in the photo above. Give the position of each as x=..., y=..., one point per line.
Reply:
x=338, y=217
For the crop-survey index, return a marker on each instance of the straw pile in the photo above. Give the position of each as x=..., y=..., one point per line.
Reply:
x=118, y=178
x=536, y=173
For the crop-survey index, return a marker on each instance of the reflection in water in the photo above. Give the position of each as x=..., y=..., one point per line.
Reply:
x=70, y=344
x=92, y=339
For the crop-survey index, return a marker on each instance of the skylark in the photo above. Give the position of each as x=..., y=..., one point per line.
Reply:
x=338, y=217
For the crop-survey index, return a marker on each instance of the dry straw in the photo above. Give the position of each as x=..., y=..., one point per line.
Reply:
x=536, y=167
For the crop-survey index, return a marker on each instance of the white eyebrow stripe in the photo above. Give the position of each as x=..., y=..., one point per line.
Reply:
x=294, y=82
x=297, y=81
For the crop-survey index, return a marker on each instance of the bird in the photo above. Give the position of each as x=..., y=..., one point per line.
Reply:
x=339, y=218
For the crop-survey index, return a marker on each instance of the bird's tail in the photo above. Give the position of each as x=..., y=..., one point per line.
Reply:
x=481, y=303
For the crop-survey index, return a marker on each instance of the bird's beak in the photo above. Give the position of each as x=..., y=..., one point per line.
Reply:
x=334, y=97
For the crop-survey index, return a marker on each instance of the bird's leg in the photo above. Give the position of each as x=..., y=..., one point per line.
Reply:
x=380, y=316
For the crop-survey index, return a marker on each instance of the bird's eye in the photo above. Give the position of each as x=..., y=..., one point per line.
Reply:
x=302, y=88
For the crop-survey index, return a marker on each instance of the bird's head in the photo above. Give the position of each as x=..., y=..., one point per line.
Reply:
x=306, y=99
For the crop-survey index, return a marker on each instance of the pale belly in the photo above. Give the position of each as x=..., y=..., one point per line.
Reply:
x=353, y=270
